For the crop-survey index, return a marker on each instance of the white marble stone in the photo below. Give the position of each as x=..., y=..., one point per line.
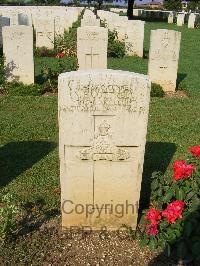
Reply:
x=134, y=38
x=180, y=19
x=45, y=32
x=171, y=18
x=163, y=58
x=103, y=118
x=18, y=52
x=92, y=45
x=191, y=21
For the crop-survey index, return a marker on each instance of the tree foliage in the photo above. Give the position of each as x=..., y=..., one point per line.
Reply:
x=173, y=5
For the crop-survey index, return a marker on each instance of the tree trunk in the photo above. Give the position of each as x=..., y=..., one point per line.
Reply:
x=130, y=9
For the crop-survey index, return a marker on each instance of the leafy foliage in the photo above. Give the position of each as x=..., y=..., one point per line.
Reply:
x=8, y=213
x=156, y=90
x=193, y=5
x=182, y=235
x=173, y=5
x=20, y=89
x=68, y=43
x=2, y=71
x=115, y=47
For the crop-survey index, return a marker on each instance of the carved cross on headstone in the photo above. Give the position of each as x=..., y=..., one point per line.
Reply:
x=92, y=57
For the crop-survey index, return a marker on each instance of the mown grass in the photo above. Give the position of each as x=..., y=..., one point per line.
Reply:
x=29, y=164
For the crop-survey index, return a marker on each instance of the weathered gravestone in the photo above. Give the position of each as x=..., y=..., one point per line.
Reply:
x=45, y=32
x=103, y=118
x=4, y=21
x=134, y=38
x=121, y=25
x=92, y=45
x=18, y=51
x=90, y=21
x=171, y=18
x=24, y=19
x=163, y=58
x=191, y=21
x=180, y=19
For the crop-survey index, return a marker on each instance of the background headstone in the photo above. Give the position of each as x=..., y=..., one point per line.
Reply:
x=4, y=21
x=191, y=21
x=18, y=51
x=45, y=33
x=23, y=19
x=163, y=58
x=134, y=38
x=171, y=18
x=180, y=19
x=102, y=133
x=92, y=45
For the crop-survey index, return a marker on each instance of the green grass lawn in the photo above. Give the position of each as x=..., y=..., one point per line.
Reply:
x=29, y=165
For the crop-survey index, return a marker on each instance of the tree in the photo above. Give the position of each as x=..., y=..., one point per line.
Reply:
x=130, y=8
x=175, y=5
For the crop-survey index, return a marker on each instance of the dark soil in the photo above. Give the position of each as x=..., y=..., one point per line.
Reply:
x=49, y=245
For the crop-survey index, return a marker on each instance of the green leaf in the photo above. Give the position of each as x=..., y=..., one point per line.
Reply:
x=190, y=195
x=153, y=244
x=179, y=194
x=160, y=192
x=144, y=242
x=154, y=184
x=168, y=196
x=163, y=225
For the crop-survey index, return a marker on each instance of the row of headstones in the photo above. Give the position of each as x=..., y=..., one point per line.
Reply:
x=181, y=19
x=129, y=31
x=48, y=22
x=172, y=16
x=92, y=42
x=17, y=43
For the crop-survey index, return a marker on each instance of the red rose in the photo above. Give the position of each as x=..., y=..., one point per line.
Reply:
x=153, y=216
x=195, y=151
x=152, y=229
x=182, y=169
x=174, y=211
x=60, y=55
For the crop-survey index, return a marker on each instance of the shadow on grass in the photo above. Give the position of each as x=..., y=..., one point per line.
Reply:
x=158, y=156
x=145, y=54
x=16, y=157
x=180, y=77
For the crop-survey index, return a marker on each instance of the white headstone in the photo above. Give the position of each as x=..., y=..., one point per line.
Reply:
x=103, y=118
x=171, y=18
x=134, y=38
x=90, y=21
x=121, y=25
x=92, y=45
x=163, y=58
x=45, y=33
x=180, y=19
x=18, y=51
x=191, y=21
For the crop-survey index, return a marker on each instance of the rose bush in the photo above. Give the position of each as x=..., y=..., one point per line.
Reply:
x=173, y=221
